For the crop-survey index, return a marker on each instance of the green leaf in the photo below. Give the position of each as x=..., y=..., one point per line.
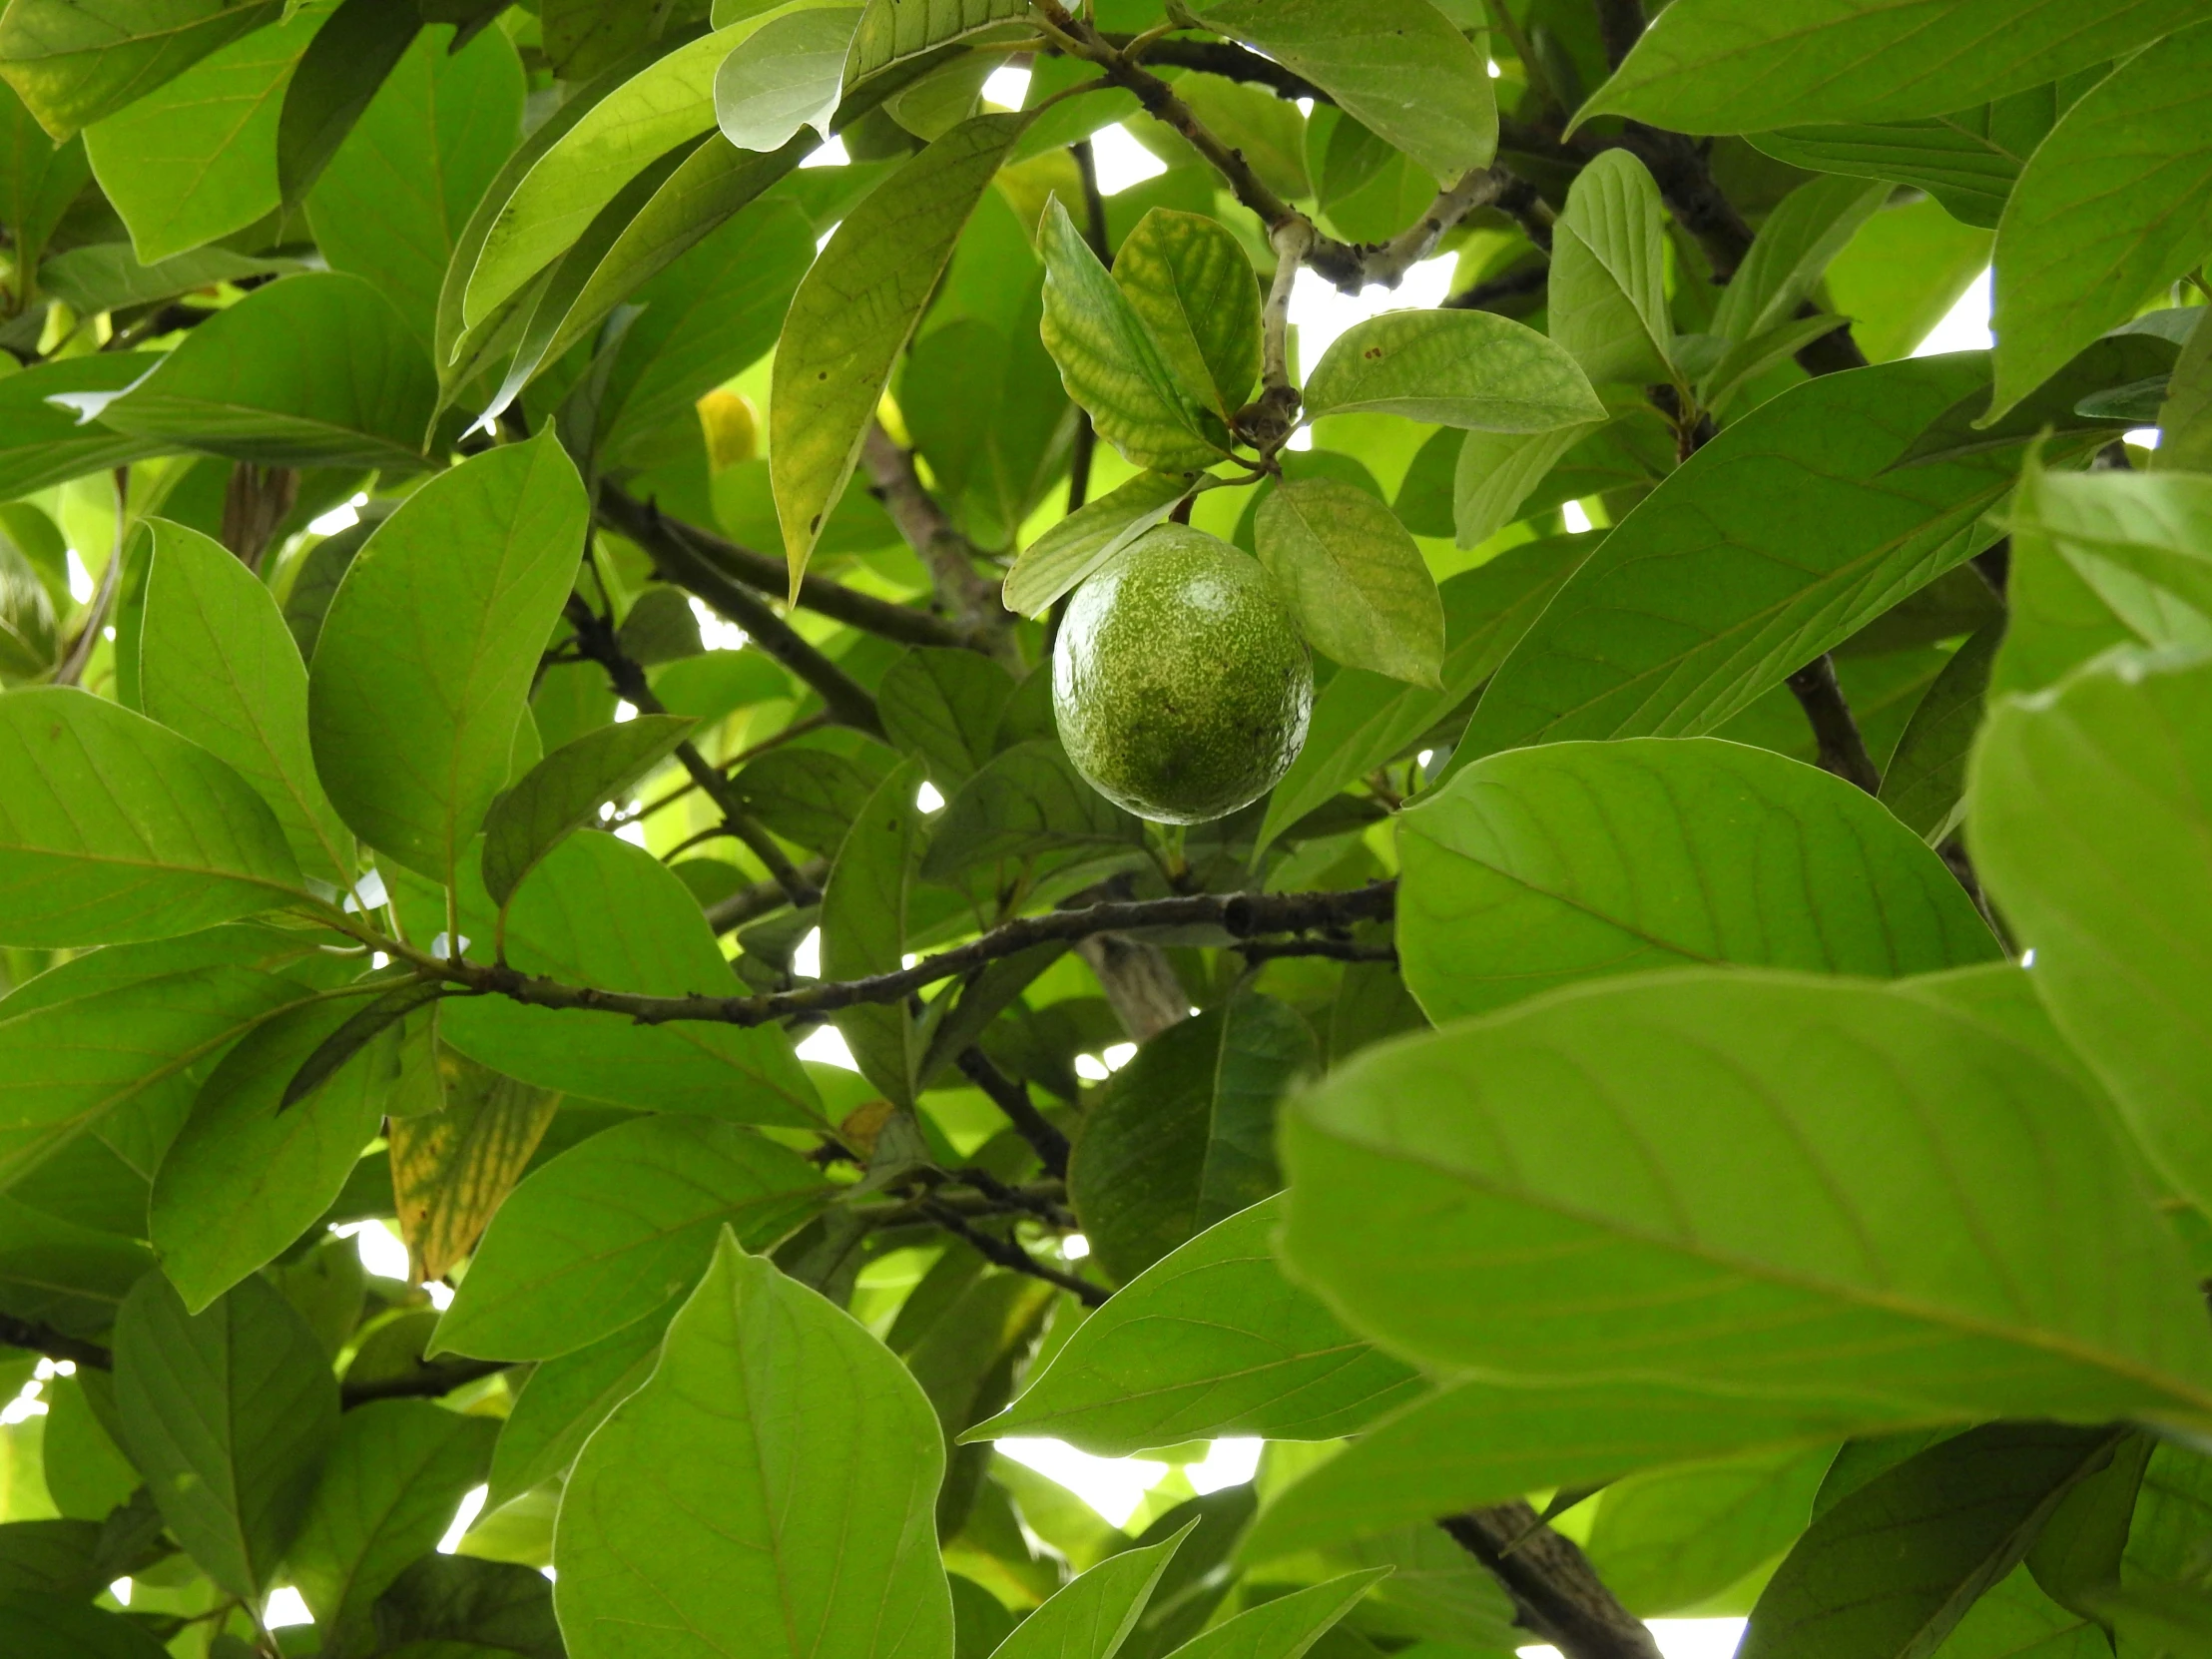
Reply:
x=864, y=927
x=337, y=78
x=1453, y=368
x=43, y=442
x=1058, y=562
x=607, y=1232
x=425, y=659
x=942, y=703
x=1496, y=473
x=893, y=31
x=38, y=180
x=314, y=370
x=488, y=1609
x=1776, y=541
x=1608, y=293
x=2081, y=1548
x=390, y=205
x=181, y=840
x=625, y=129
x=48, y=1627
x=1671, y=1538
x=1792, y=253
x=1362, y=719
x=1111, y=361
x=1190, y=280
x=388, y=1493
x=1932, y=1209
x=1024, y=803
x=220, y=666
x=1211, y=1340
x=854, y=314
x=566, y=1398
x=1955, y=1519
x=811, y=1533
x=244, y=1180
x=2088, y=828
x=72, y=65
x=1741, y=66
x=1358, y=585
x=2115, y=204
x=1543, y=867
x=1185, y=1137
x=786, y=77
x=2185, y=418
x=1094, y=1614
x=106, y=276
x=229, y=1415
x=1398, y=66
x=1285, y=1627
x=196, y=158
x=603, y=912
x=808, y=796
x=561, y=794
x=1925, y=784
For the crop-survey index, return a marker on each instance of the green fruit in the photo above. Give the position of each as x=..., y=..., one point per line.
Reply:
x=1180, y=680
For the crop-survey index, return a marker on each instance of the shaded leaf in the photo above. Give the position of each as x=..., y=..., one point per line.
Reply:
x=786, y=76
x=1058, y=561
x=562, y=792
x=1453, y=368
x=1358, y=585
x=1190, y=280
x=864, y=927
x=452, y=1169
x=1608, y=293
x=1925, y=784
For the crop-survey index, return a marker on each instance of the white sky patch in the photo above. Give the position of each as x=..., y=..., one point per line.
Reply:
x=2143, y=437
x=472, y=1505
x=927, y=798
x=286, y=1607
x=80, y=579
x=121, y=1590
x=714, y=633
x=1114, y=1486
x=1007, y=86
x=1075, y=1247
x=806, y=958
x=1228, y=1464
x=1320, y=313
x=1122, y=160
x=1573, y=516
x=831, y=154
x=343, y=516
x=380, y=1251
x=624, y=710
x=1966, y=326
x=633, y=832
x=827, y=1044
x=1678, y=1639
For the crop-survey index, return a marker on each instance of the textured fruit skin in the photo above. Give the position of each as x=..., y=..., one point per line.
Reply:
x=1180, y=680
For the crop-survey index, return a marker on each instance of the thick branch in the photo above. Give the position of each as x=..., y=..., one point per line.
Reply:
x=427, y=1381
x=1241, y=915
x=35, y=1338
x=655, y=531
x=1557, y=1595
x=674, y=556
x=752, y=903
x=1620, y=24
x=1229, y=61
x=1139, y=982
x=1012, y=1097
x=1514, y=284
x=948, y=556
x=1842, y=749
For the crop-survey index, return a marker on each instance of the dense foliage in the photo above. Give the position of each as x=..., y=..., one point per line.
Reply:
x=532, y=538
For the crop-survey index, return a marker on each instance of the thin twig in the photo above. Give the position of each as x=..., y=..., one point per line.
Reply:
x=1842, y=749
x=1558, y=1595
x=71, y=670
x=427, y=1381
x=1011, y=1097
x=1009, y=1255
x=948, y=556
x=35, y=1338
x=1085, y=446
x=1336, y=951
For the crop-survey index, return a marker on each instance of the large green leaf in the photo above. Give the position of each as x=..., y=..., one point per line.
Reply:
x=1671, y=1538
x=1285, y=1627
x=219, y=666
x=609, y=1230
x=388, y=1493
x=1028, y=800
x=943, y=706
x=1777, y=540
x=38, y=1626
x=1399, y=67
x=38, y=179
x=1472, y=369
x=337, y=78
x=619, y=134
x=1184, y=1138
x=2115, y=205
x=181, y=843
x=2141, y=543
x=892, y=32
x=44, y=442
x=810, y=1530
x=566, y=1398
x=603, y=912
x=1608, y=293
x=1940, y=1223
x=1925, y=784
x=1354, y=578
x=1090, y=1617
x=391, y=205
x=1744, y=66
x=427, y=653
x=1895, y=1566
x=864, y=927
x=557, y=797
x=1794, y=247
x=314, y=370
x=854, y=314
x=1362, y=719
x=1191, y=280
x=196, y=159
x=1542, y=866
x=229, y=1415
x=1210, y=1339
x=1058, y=561
x=73, y=63
x=786, y=77
x=247, y=1176
x=2088, y=826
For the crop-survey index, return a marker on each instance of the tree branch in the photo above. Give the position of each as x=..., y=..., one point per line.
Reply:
x=1843, y=750
x=655, y=531
x=1620, y=24
x=1085, y=447
x=948, y=556
x=427, y=1381
x=752, y=903
x=1241, y=915
x=1012, y=1097
x=1227, y=60
x=1008, y=1254
x=35, y=1338
x=1514, y=284
x=666, y=542
x=1556, y=1593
